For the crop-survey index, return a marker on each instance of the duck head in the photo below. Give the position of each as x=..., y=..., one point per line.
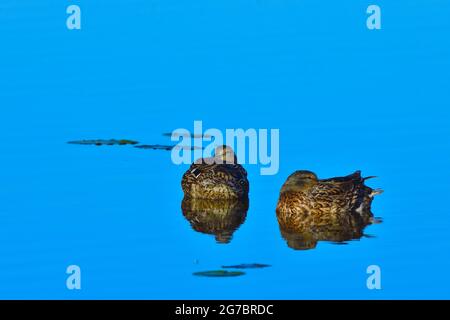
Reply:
x=225, y=154
x=299, y=181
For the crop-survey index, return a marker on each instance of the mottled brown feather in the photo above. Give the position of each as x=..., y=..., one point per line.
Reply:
x=326, y=206
x=215, y=181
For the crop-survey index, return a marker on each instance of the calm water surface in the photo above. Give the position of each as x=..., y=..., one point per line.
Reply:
x=343, y=97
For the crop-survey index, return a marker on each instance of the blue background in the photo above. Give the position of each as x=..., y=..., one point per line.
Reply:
x=343, y=97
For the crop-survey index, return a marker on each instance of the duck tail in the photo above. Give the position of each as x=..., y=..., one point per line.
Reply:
x=369, y=177
x=376, y=192
x=376, y=220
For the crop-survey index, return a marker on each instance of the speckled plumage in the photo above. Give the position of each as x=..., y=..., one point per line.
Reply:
x=338, y=206
x=216, y=178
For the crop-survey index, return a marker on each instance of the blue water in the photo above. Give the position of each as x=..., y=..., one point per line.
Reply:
x=343, y=97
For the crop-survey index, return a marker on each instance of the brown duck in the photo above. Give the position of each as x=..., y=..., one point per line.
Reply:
x=218, y=177
x=335, y=209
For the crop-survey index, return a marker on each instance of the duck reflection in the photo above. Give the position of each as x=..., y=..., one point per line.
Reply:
x=308, y=238
x=220, y=218
x=311, y=209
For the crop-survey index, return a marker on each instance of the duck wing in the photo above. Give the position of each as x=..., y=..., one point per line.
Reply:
x=350, y=186
x=349, y=193
x=354, y=177
x=235, y=170
x=232, y=174
x=216, y=173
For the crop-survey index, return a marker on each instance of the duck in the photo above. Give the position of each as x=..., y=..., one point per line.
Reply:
x=220, y=218
x=334, y=209
x=217, y=177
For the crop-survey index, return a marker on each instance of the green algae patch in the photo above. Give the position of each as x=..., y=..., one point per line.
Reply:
x=219, y=273
x=165, y=147
x=186, y=135
x=154, y=147
x=247, y=266
x=102, y=142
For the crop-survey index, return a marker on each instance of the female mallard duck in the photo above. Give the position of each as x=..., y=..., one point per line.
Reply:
x=309, y=204
x=218, y=177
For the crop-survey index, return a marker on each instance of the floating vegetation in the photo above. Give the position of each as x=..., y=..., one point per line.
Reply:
x=186, y=135
x=123, y=142
x=102, y=142
x=165, y=147
x=219, y=273
x=154, y=147
x=247, y=266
